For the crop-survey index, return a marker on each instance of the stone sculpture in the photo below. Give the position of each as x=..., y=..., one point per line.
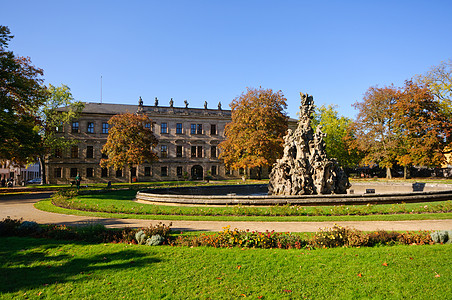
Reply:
x=304, y=168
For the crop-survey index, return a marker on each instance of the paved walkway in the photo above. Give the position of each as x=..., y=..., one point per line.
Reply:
x=21, y=206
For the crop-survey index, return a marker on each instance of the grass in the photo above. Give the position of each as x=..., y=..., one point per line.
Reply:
x=119, y=204
x=41, y=268
x=46, y=205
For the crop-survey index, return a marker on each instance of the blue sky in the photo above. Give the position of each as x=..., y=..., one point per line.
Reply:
x=212, y=50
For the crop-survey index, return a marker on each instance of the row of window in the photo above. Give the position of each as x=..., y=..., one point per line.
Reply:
x=196, y=151
x=75, y=127
x=194, y=128
x=164, y=171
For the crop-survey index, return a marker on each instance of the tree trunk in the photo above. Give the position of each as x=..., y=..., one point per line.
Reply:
x=43, y=170
x=130, y=174
x=405, y=172
x=388, y=173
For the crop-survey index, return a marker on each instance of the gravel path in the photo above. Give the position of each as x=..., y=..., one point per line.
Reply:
x=21, y=206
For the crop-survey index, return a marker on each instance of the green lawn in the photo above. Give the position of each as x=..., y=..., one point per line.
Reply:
x=41, y=268
x=119, y=204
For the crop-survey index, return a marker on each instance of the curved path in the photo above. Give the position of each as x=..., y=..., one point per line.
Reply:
x=21, y=206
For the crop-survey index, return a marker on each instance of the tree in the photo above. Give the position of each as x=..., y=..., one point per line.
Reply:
x=423, y=127
x=439, y=81
x=21, y=94
x=129, y=142
x=58, y=110
x=254, y=137
x=335, y=128
x=373, y=131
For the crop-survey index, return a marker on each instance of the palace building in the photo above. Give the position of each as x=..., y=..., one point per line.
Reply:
x=188, y=144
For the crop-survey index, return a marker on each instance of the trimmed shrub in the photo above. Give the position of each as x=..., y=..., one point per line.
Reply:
x=28, y=228
x=442, y=236
x=140, y=236
x=8, y=226
x=155, y=240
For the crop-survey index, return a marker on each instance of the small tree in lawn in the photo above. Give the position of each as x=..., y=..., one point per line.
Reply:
x=254, y=138
x=129, y=142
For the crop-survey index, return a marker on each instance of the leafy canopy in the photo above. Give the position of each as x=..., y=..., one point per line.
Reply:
x=254, y=137
x=335, y=128
x=21, y=94
x=129, y=141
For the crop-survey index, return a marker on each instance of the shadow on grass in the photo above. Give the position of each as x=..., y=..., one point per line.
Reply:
x=27, y=263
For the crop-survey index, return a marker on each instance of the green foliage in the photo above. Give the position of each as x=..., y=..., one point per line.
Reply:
x=335, y=128
x=21, y=94
x=8, y=226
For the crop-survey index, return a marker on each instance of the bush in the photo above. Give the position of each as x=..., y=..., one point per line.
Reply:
x=28, y=228
x=413, y=238
x=442, y=236
x=140, y=236
x=155, y=240
x=8, y=226
x=91, y=232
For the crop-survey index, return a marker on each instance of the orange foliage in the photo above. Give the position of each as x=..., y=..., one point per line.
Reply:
x=254, y=138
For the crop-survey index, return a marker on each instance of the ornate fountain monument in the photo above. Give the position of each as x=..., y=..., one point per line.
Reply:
x=304, y=168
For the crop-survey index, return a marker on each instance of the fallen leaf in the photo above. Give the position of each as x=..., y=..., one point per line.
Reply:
x=385, y=264
x=360, y=275
x=219, y=278
x=39, y=294
x=437, y=275
x=411, y=258
x=259, y=297
x=239, y=267
x=288, y=291
x=243, y=295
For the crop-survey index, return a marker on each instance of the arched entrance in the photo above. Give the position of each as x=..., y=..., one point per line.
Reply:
x=197, y=172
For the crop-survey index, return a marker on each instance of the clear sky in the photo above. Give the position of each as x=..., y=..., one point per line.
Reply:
x=212, y=50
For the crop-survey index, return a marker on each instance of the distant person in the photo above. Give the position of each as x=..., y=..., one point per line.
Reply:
x=78, y=179
x=3, y=182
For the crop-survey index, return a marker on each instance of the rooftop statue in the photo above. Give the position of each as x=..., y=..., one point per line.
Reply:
x=304, y=168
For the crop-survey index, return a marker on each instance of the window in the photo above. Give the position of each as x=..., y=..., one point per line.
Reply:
x=118, y=173
x=179, y=171
x=199, y=129
x=164, y=171
x=164, y=128
x=74, y=172
x=241, y=171
x=105, y=128
x=90, y=127
x=89, y=152
x=213, y=129
x=199, y=151
x=89, y=172
x=147, y=171
x=213, y=151
x=133, y=172
x=178, y=151
x=193, y=151
x=147, y=125
x=74, y=127
x=163, y=151
x=57, y=173
x=179, y=128
x=60, y=128
x=192, y=128
x=74, y=152
x=58, y=153
x=104, y=172
x=213, y=170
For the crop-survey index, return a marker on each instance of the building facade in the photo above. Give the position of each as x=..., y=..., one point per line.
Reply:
x=187, y=149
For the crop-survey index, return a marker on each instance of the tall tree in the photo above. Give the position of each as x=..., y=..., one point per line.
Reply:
x=439, y=82
x=374, y=131
x=423, y=127
x=335, y=128
x=57, y=111
x=129, y=143
x=21, y=94
x=254, y=138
